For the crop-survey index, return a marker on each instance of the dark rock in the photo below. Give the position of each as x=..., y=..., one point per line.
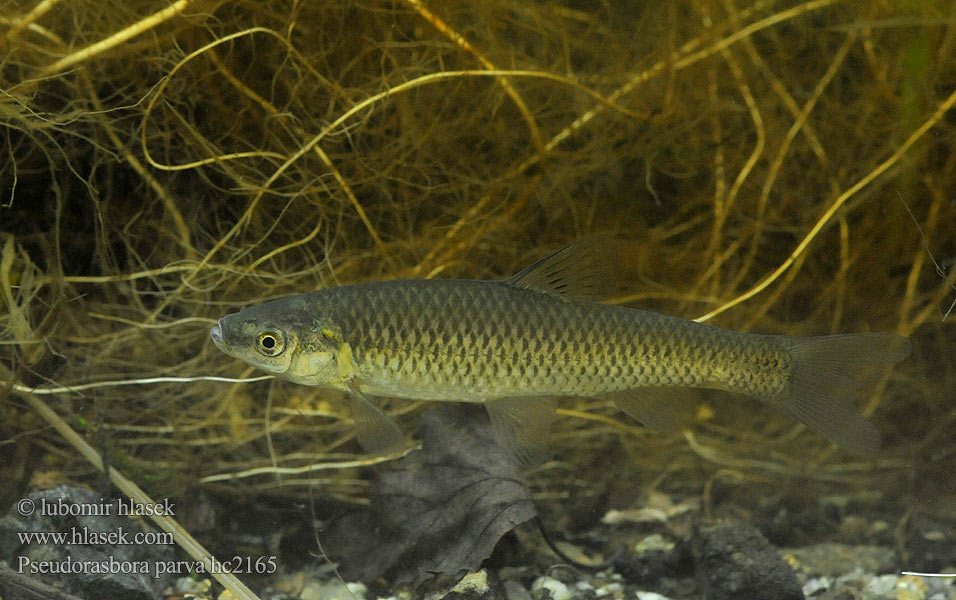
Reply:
x=653, y=560
x=516, y=591
x=933, y=541
x=733, y=560
x=21, y=587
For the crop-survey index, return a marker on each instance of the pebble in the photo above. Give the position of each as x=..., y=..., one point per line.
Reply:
x=650, y=596
x=554, y=589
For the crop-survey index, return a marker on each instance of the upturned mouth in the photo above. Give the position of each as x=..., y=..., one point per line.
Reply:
x=216, y=333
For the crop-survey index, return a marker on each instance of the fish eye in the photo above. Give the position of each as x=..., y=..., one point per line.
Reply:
x=270, y=343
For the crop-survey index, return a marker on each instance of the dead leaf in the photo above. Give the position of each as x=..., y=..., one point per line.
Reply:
x=438, y=511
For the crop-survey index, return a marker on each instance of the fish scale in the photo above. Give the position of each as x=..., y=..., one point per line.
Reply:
x=432, y=338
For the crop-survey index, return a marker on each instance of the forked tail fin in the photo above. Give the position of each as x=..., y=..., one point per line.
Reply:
x=825, y=373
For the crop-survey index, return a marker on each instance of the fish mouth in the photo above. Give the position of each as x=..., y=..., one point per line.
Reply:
x=216, y=333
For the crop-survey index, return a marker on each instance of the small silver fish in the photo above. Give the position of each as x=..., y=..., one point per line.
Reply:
x=515, y=345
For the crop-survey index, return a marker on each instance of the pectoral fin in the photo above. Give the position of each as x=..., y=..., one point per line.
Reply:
x=377, y=432
x=662, y=408
x=522, y=427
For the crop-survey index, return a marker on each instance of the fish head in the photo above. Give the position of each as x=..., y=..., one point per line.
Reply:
x=266, y=336
x=289, y=338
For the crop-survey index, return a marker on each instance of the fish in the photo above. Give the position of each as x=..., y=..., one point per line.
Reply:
x=519, y=344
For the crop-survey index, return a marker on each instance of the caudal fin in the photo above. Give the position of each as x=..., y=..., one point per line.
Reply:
x=826, y=371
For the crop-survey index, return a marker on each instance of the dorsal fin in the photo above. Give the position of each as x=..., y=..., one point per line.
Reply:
x=582, y=271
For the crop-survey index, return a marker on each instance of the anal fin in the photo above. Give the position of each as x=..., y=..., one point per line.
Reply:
x=662, y=408
x=522, y=427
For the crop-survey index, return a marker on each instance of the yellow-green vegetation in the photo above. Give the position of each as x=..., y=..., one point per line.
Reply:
x=777, y=167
